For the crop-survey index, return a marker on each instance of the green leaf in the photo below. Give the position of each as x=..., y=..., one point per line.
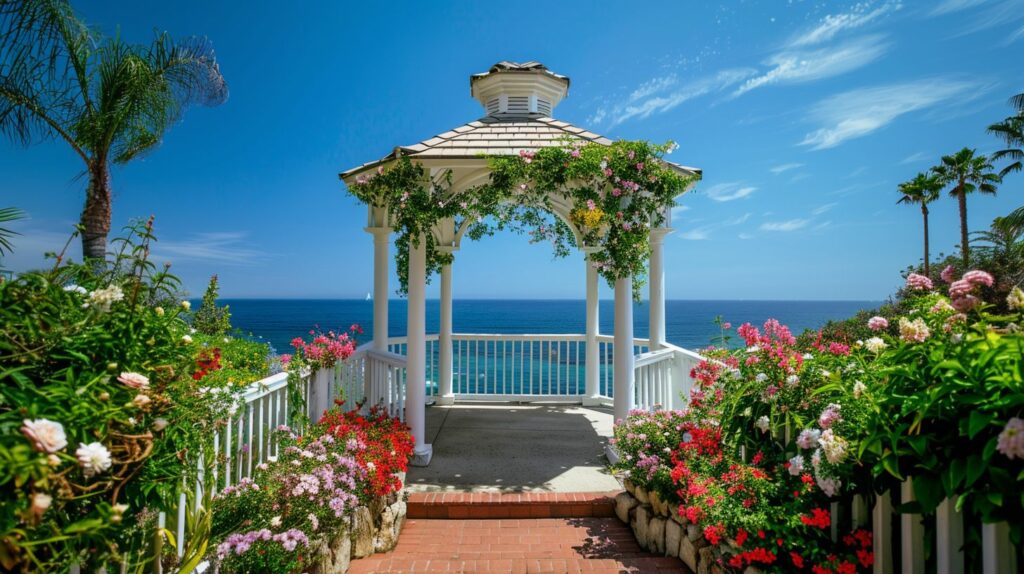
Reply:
x=978, y=421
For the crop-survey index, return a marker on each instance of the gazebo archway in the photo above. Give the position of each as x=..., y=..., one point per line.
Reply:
x=518, y=99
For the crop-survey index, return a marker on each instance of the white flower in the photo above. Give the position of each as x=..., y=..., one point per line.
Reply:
x=808, y=438
x=160, y=424
x=159, y=311
x=761, y=377
x=75, y=289
x=796, y=465
x=40, y=502
x=120, y=508
x=187, y=339
x=45, y=435
x=875, y=345
x=275, y=522
x=94, y=458
x=271, y=458
x=102, y=299
x=830, y=486
x=186, y=305
x=808, y=356
x=754, y=349
x=141, y=401
x=604, y=164
x=956, y=337
x=816, y=458
x=763, y=423
x=1015, y=300
x=792, y=380
x=858, y=389
x=134, y=380
x=834, y=446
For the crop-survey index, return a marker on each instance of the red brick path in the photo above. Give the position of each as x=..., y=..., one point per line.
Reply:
x=588, y=544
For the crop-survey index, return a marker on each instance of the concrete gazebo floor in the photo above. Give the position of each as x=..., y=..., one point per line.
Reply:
x=509, y=447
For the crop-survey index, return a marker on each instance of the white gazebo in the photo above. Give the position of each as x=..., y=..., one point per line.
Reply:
x=401, y=372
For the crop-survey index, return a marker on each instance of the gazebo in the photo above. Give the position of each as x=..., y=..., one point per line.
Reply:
x=518, y=99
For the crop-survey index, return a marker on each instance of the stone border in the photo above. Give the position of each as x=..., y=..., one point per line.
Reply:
x=373, y=528
x=659, y=528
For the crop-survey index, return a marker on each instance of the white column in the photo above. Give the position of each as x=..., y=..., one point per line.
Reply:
x=593, y=364
x=657, y=287
x=381, y=247
x=623, y=352
x=416, y=355
x=445, y=396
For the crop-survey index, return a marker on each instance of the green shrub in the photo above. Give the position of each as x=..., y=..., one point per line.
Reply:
x=210, y=319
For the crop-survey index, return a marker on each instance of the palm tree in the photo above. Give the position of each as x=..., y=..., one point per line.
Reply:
x=1011, y=131
x=967, y=173
x=108, y=100
x=923, y=189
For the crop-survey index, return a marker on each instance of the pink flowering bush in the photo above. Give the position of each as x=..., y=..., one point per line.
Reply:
x=324, y=350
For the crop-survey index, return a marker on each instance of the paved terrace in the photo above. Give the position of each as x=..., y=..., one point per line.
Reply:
x=508, y=447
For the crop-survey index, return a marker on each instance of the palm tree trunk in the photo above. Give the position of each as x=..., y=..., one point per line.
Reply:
x=927, y=266
x=96, y=213
x=962, y=200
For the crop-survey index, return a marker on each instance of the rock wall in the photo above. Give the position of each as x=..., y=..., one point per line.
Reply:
x=373, y=528
x=659, y=528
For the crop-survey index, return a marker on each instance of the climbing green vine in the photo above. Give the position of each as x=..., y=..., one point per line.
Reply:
x=611, y=195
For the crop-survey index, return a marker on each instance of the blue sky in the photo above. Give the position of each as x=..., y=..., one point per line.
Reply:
x=804, y=117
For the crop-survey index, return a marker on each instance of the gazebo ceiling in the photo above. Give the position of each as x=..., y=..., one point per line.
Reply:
x=515, y=97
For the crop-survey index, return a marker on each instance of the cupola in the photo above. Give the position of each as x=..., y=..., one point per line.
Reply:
x=511, y=88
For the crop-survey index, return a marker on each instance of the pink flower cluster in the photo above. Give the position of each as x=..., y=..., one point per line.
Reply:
x=830, y=416
x=527, y=155
x=240, y=543
x=1011, y=440
x=777, y=341
x=918, y=282
x=947, y=274
x=878, y=323
x=961, y=292
x=326, y=349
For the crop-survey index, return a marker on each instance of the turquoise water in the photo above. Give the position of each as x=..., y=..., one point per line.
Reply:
x=491, y=368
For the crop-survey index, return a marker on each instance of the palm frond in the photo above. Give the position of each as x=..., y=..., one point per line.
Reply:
x=8, y=214
x=44, y=54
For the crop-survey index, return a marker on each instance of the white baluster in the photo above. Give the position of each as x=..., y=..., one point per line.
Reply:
x=949, y=528
x=997, y=552
x=911, y=534
x=881, y=526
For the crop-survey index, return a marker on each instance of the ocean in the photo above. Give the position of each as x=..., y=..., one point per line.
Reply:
x=689, y=324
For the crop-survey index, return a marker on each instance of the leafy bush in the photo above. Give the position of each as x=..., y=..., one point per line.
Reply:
x=96, y=409
x=778, y=430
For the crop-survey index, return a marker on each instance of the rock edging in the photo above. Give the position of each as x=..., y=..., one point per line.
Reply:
x=659, y=528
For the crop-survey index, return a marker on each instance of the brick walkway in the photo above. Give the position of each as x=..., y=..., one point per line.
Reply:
x=555, y=545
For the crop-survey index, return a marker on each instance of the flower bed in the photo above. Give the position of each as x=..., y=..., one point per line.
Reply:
x=332, y=494
x=778, y=431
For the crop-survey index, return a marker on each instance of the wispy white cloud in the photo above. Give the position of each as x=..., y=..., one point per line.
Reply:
x=678, y=210
x=659, y=95
x=914, y=158
x=225, y=247
x=994, y=14
x=833, y=24
x=823, y=208
x=730, y=191
x=738, y=220
x=950, y=6
x=785, y=167
x=859, y=112
x=784, y=226
x=745, y=236
x=798, y=66
x=822, y=225
x=696, y=234
x=1013, y=37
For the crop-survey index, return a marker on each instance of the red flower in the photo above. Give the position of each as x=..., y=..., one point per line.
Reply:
x=819, y=518
x=798, y=560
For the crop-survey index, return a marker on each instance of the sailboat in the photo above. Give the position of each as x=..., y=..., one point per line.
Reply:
x=368, y=297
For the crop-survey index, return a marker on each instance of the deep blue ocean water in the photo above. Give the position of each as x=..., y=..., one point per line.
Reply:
x=689, y=324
